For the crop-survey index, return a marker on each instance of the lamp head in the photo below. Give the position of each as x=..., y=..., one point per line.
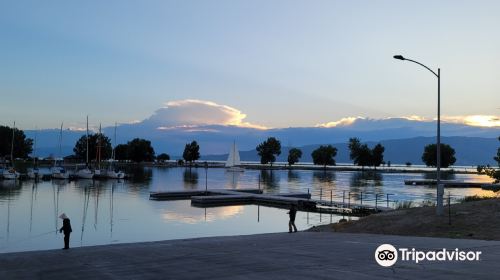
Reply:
x=400, y=57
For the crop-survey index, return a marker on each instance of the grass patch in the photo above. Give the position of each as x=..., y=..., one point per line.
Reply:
x=475, y=198
x=404, y=204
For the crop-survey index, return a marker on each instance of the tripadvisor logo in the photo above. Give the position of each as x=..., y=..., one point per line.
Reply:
x=387, y=255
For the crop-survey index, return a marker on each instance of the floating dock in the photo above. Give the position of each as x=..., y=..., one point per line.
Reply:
x=453, y=184
x=303, y=201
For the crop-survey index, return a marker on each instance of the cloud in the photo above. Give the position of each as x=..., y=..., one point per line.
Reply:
x=191, y=113
x=342, y=122
x=472, y=120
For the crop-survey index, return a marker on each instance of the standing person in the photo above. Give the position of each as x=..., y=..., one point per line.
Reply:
x=292, y=213
x=66, y=227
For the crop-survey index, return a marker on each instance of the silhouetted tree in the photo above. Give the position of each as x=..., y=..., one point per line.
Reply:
x=22, y=145
x=492, y=172
x=80, y=148
x=363, y=156
x=268, y=150
x=429, y=157
x=191, y=152
x=121, y=152
x=163, y=157
x=139, y=150
x=378, y=155
x=354, y=148
x=324, y=155
x=294, y=155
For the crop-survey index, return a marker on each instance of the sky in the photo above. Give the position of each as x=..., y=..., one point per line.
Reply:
x=262, y=64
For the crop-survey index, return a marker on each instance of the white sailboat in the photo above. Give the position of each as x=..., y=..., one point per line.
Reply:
x=233, y=160
x=10, y=173
x=113, y=173
x=58, y=171
x=86, y=173
x=34, y=173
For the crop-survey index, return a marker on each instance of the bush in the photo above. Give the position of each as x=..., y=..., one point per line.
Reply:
x=475, y=198
x=404, y=204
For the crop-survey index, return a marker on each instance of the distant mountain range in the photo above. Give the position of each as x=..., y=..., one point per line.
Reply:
x=474, y=145
x=469, y=151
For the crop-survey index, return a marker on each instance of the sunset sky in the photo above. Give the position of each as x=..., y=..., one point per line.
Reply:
x=250, y=63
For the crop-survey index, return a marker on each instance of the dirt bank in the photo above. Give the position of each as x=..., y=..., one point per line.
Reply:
x=473, y=220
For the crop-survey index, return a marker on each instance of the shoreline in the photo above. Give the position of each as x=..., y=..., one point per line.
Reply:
x=468, y=220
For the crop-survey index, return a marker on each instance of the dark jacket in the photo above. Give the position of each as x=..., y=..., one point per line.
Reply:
x=292, y=213
x=66, y=227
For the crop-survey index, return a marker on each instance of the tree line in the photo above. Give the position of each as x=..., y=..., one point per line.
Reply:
x=141, y=150
x=360, y=154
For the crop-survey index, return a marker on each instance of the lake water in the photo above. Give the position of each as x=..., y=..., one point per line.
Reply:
x=106, y=212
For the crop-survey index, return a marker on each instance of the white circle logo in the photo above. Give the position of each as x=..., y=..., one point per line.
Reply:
x=386, y=255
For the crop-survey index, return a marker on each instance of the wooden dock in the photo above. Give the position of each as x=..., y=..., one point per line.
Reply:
x=303, y=201
x=453, y=184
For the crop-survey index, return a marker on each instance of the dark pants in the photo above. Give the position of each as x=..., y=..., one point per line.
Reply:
x=66, y=241
x=291, y=224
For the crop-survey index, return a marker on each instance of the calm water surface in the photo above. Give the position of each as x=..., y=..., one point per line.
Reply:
x=106, y=212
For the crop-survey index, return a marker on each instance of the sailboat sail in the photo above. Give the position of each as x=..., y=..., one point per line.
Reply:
x=233, y=158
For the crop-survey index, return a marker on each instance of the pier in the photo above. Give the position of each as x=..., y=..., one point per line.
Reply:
x=453, y=184
x=303, y=201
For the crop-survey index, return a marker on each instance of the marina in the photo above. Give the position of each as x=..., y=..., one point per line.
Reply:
x=122, y=211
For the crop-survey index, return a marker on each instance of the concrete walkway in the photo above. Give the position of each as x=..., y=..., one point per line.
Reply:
x=303, y=255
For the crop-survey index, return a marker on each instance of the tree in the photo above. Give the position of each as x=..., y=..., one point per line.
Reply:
x=377, y=155
x=121, y=152
x=95, y=140
x=354, y=148
x=324, y=155
x=22, y=146
x=268, y=150
x=139, y=150
x=492, y=172
x=363, y=156
x=163, y=157
x=191, y=152
x=294, y=155
x=429, y=157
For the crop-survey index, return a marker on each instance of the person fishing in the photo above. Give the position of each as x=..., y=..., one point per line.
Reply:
x=66, y=227
x=292, y=213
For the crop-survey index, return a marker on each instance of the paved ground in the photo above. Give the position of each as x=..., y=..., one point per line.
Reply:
x=303, y=255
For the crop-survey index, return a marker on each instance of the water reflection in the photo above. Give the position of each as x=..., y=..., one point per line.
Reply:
x=190, y=176
x=366, y=178
x=139, y=174
x=323, y=177
x=444, y=176
x=270, y=179
x=232, y=179
x=183, y=213
x=293, y=176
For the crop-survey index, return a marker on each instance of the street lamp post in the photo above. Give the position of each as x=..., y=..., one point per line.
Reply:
x=440, y=189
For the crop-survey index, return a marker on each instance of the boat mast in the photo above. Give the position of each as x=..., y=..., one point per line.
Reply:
x=12, y=146
x=98, y=158
x=60, y=141
x=34, y=149
x=87, y=138
x=114, y=145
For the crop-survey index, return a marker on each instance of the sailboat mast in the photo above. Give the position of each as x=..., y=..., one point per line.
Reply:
x=60, y=140
x=114, y=145
x=34, y=149
x=87, y=138
x=12, y=145
x=99, y=148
